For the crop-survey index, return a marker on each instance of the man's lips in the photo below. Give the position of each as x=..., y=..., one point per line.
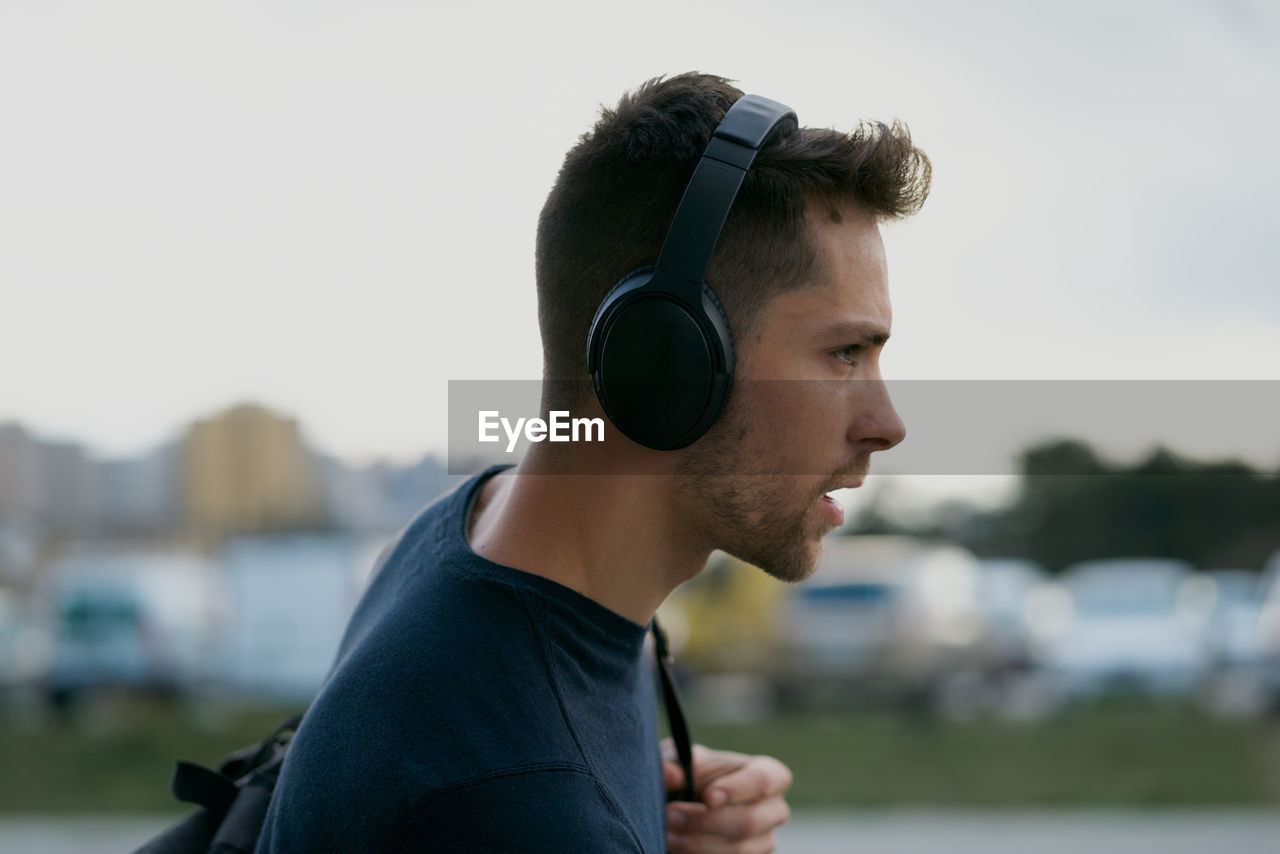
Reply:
x=832, y=510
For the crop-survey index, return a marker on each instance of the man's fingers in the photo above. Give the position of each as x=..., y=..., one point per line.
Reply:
x=708, y=764
x=760, y=777
x=668, y=748
x=741, y=821
x=699, y=843
x=742, y=802
x=672, y=776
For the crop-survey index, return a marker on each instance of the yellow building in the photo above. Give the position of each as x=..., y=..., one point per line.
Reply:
x=248, y=470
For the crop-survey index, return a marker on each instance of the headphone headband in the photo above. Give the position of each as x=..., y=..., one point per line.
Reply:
x=709, y=196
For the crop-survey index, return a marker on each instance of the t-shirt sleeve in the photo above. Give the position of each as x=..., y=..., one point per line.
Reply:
x=542, y=811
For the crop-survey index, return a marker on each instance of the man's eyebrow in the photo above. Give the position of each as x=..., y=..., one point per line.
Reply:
x=856, y=332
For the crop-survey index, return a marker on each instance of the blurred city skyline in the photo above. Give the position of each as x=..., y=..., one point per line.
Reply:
x=242, y=471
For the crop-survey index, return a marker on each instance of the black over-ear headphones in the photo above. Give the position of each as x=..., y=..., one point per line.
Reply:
x=660, y=351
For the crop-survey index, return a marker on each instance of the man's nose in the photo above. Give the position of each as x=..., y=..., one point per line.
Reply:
x=877, y=423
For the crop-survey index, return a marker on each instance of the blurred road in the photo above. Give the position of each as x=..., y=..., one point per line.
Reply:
x=1033, y=832
x=880, y=832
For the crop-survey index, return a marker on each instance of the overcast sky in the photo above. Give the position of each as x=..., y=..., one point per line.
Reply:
x=330, y=207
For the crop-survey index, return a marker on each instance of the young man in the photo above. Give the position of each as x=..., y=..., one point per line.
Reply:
x=492, y=692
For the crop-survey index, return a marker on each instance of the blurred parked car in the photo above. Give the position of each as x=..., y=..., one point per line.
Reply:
x=1136, y=625
x=139, y=621
x=25, y=644
x=1234, y=640
x=1237, y=682
x=1269, y=630
x=1018, y=607
x=883, y=618
x=1005, y=590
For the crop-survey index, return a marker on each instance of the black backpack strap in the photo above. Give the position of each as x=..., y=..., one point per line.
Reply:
x=240, y=828
x=675, y=714
x=196, y=784
x=233, y=800
x=247, y=759
x=215, y=790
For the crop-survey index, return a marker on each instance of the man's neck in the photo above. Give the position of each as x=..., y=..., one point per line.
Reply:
x=616, y=539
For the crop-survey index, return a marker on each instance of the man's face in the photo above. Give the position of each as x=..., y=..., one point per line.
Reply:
x=807, y=410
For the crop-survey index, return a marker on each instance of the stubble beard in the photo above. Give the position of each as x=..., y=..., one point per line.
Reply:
x=758, y=518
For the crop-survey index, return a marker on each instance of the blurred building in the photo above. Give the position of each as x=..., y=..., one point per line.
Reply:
x=72, y=494
x=55, y=490
x=248, y=470
x=382, y=497
x=49, y=490
x=20, y=500
x=141, y=497
x=20, y=473
x=49, y=484
x=243, y=471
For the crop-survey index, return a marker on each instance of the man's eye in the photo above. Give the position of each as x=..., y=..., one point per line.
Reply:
x=849, y=354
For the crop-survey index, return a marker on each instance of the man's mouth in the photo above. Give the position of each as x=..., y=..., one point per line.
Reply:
x=832, y=510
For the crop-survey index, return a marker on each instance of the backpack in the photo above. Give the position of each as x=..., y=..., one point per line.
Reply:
x=232, y=800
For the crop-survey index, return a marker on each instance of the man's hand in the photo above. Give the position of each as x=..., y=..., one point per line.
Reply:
x=741, y=802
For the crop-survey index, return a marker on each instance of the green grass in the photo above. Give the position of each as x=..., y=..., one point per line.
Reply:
x=1140, y=756
x=117, y=757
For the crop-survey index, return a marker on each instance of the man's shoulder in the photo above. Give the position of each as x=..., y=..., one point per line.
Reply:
x=422, y=582
x=450, y=667
x=445, y=682
x=456, y=738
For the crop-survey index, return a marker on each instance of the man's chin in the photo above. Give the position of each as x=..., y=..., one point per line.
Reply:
x=797, y=563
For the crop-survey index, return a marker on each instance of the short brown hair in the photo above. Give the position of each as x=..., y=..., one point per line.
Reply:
x=620, y=185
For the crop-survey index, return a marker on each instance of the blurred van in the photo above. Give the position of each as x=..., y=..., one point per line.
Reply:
x=883, y=617
x=132, y=620
x=291, y=596
x=1136, y=625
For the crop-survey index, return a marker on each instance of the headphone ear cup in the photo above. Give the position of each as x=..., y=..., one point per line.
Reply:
x=634, y=280
x=724, y=330
x=658, y=363
x=724, y=352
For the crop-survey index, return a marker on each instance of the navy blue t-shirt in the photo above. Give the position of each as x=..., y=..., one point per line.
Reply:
x=474, y=708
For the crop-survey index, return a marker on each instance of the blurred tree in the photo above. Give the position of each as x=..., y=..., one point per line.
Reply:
x=1073, y=505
